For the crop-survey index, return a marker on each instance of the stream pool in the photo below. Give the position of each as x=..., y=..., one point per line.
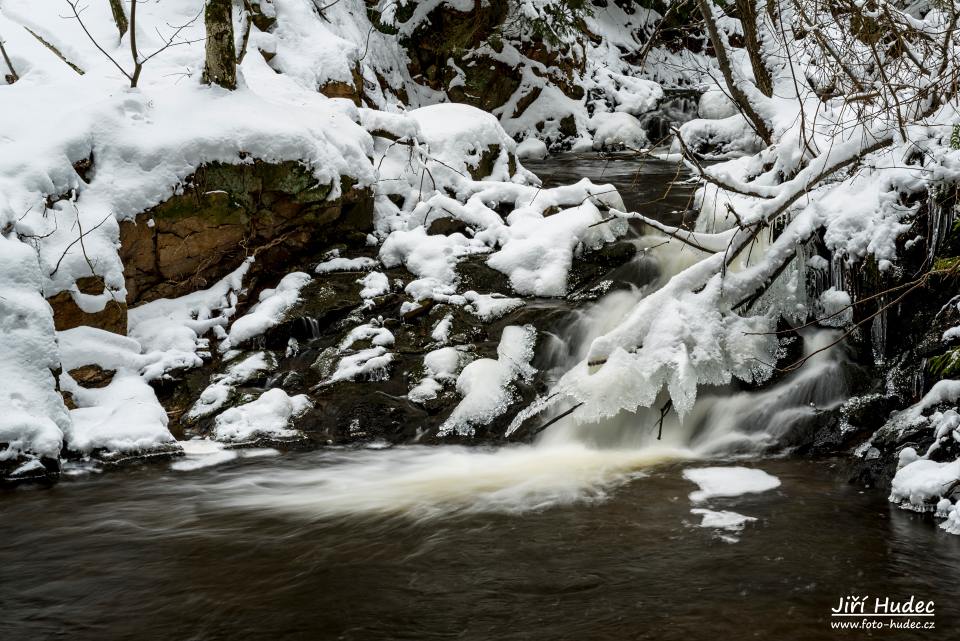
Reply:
x=215, y=553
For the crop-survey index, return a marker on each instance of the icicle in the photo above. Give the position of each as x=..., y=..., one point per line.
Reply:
x=919, y=380
x=878, y=335
x=940, y=221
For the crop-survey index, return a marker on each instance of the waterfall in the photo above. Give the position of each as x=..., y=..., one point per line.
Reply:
x=569, y=461
x=724, y=420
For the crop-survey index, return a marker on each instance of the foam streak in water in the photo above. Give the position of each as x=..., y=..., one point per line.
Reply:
x=422, y=482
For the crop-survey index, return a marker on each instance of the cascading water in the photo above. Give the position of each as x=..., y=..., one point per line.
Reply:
x=569, y=461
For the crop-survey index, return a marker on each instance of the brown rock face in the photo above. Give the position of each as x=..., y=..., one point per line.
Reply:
x=92, y=376
x=226, y=213
x=67, y=315
x=341, y=89
x=221, y=215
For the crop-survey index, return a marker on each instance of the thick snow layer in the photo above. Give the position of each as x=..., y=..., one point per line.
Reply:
x=378, y=336
x=726, y=138
x=532, y=149
x=336, y=264
x=920, y=482
x=728, y=481
x=33, y=417
x=374, y=284
x=125, y=416
x=459, y=136
x=269, y=416
x=441, y=367
x=540, y=250
x=618, y=130
x=490, y=307
x=369, y=364
x=174, y=329
x=485, y=384
x=714, y=104
x=443, y=364
x=441, y=331
x=923, y=481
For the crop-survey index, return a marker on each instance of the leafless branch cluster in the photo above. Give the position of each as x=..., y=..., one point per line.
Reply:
x=172, y=39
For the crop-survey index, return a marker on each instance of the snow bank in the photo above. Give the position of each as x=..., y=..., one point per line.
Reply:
x=125, y=415
x=33, y=417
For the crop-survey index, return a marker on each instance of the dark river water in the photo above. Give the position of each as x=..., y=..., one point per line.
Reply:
x=155, y=554
x=547, y=542
x=647, y=185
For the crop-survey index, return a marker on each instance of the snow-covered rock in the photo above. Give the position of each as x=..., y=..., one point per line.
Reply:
x=269, y=416
x=485, y=384
x=714, y=104
x=618, y=130
x=532, y=149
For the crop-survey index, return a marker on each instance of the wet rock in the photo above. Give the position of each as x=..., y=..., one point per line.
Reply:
x=21, y=470
x=92, y=376
x=447, y=225
x=476, y=275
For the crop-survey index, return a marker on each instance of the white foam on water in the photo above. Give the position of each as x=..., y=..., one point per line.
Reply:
x=423, y=482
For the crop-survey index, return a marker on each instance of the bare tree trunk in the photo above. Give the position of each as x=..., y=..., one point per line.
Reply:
x=11, y=77
x=137, y=63
x=116, y=6
x=739, y=97
x=748, y=18
x=221, y=64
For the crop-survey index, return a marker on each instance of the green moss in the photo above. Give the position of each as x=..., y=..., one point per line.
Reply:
x=230, y=194
x=216, y=206
x=943, y=264
x=946, y=365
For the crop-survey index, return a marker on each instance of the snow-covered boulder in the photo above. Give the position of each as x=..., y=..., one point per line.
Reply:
x=532, y=149
x=267, y=417
x=617, y=130
x=466, y=139
x=715, y=105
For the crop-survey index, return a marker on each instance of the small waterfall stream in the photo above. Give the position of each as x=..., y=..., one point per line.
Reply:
x=569, y=461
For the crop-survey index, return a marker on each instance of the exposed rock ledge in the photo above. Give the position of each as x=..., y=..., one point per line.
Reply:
x=218, y=217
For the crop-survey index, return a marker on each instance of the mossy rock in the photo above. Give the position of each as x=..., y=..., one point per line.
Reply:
x=945, y=365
